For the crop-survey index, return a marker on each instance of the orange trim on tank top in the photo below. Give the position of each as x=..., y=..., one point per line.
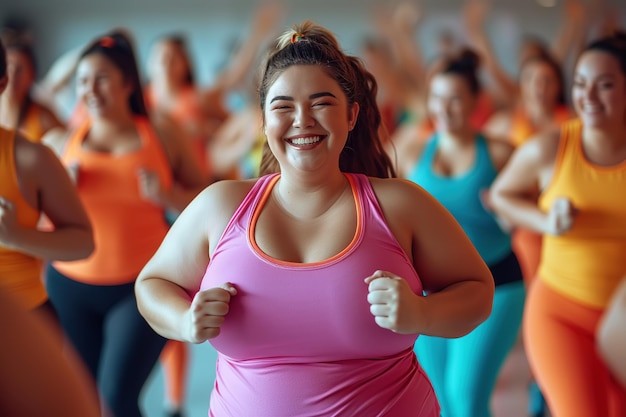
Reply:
x=257, y=212
x=75, y=143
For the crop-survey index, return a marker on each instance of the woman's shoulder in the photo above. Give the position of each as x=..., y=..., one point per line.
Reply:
x=407, y=147
x=212, y=209
x=56, y=138
x=398, y=193
x=226, y=194
x=32, y=156
x=499, y=148
x=544, y=145
x=500, y=123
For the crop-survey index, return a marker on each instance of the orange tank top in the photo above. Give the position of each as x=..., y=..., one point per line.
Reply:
x=588, y=262
x=522, y=128
x=127, y=229
x=20, y=274
x=31, y=125
x=187, y=112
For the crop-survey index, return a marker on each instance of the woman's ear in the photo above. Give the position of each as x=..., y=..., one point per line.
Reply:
x=353, y=115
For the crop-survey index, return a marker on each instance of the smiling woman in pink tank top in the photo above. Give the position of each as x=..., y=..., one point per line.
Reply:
x=309, y=280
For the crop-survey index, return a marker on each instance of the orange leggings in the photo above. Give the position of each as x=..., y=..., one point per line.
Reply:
x=560, y=343
x=174, y=360
x=527, y=247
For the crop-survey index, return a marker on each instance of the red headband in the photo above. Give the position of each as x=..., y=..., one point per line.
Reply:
x=107, y=42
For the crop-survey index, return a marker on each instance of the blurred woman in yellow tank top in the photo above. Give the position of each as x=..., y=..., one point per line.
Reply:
x=541, y=107
x=20, y=110
x=569, y=186
x=33, y=183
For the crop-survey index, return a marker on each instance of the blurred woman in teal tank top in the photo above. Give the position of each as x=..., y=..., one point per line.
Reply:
x=457, y=166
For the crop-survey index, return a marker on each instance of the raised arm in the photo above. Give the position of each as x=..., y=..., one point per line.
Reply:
x=61, y=72
x=234, y=139
x=505, y=88
x=53, y=88
x=399, y=30
x=573, y=29
x=264, y=23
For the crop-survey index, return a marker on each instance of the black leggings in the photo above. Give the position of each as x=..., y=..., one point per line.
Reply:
x=116, y=344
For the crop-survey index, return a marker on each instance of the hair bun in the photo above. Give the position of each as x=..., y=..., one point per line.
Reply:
x=468, y=59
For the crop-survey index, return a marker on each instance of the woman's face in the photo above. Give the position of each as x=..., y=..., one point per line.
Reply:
x=529, y=50
x=599, y=90
x=450, y=103
x=168, y=63
x=539, y=84
x=20, y=72
x=307, y=119
x=101, y=86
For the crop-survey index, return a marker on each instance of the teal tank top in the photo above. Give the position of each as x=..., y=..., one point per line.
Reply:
x=461, y=196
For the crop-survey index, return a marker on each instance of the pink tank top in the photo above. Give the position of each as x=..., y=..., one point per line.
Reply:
x=299, y=339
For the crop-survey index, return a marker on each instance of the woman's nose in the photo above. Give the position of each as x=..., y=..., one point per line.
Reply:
x=303, y=117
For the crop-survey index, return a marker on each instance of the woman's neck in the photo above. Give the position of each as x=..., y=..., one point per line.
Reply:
x=309, y=197
x=456, y=140
x=605, y=146
x=113, y=124
x=167, y=89
x=539, y=113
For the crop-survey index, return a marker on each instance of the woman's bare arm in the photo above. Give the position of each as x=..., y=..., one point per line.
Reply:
x=46, y=184
x=459, y=284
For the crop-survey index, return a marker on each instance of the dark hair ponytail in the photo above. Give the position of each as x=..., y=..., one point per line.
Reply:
x=465, y=64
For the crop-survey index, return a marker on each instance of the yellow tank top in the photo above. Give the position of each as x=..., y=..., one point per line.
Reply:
x=20, y=274
x=588, y=262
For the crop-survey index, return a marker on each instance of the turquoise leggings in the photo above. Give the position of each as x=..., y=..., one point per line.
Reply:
x=463, y=371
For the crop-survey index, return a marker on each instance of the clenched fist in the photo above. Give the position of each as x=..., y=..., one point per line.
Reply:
x=392, y=302
x=208, y=311
x=561, y=216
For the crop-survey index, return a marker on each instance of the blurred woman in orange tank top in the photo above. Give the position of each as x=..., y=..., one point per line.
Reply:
x=130, y=170
x=201, y=110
